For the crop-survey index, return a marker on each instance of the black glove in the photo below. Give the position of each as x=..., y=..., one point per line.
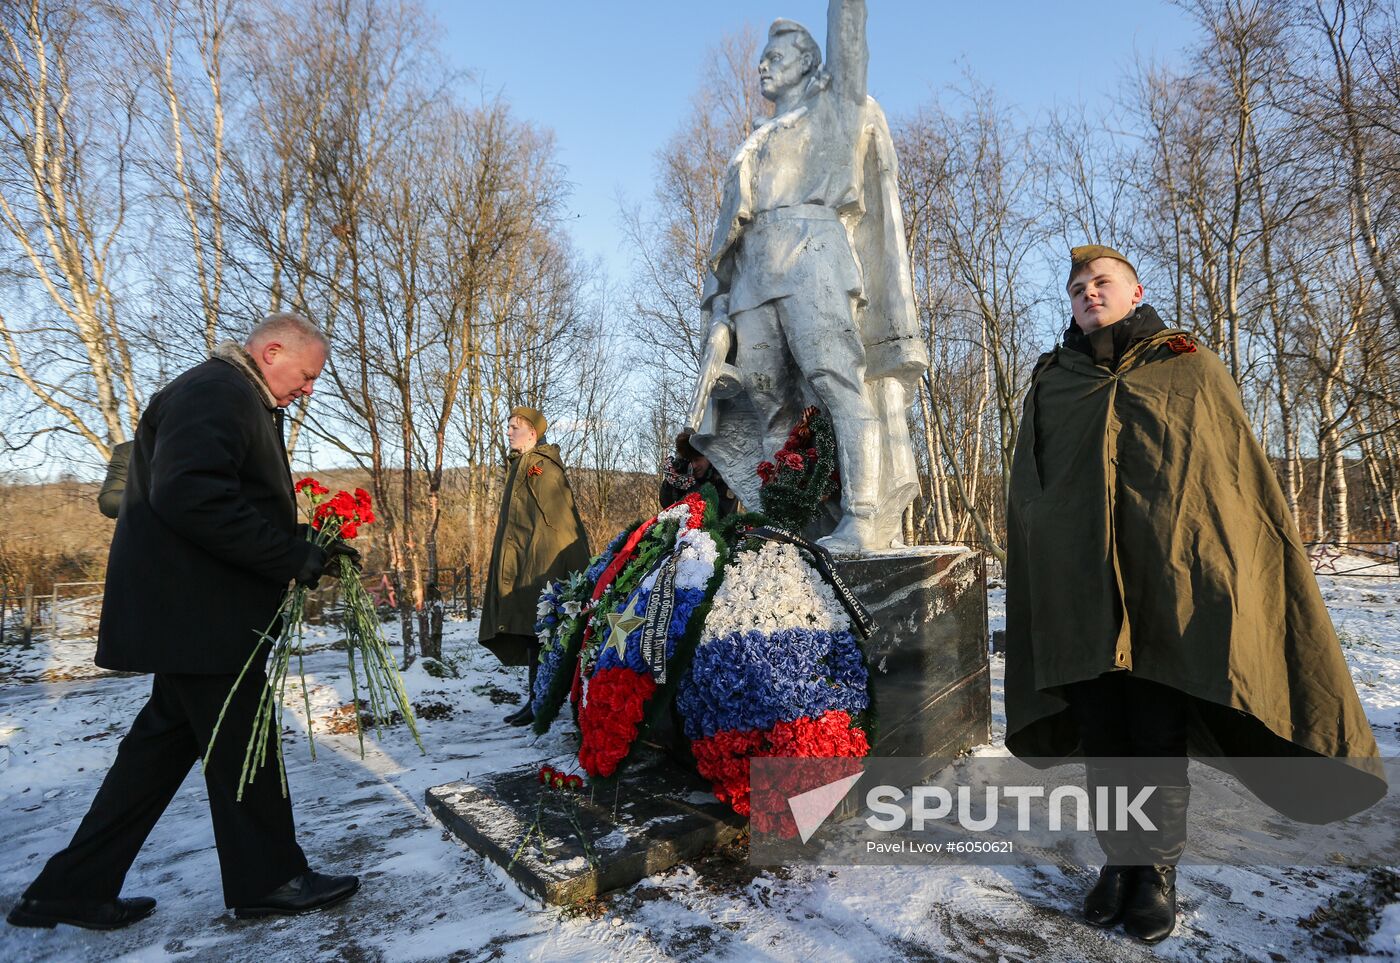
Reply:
x=340, y=549
x=318, y=562
x=311, y=569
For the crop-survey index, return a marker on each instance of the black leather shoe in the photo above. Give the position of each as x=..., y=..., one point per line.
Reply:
x=1150, y=911
x=1104, y=904
x=105, y=914
x=522, y=718
x=301, y=894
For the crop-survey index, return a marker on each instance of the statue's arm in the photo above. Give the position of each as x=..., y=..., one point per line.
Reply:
x=847, y=51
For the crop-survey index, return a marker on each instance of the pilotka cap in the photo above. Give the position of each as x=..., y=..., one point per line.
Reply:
x=1082, y=255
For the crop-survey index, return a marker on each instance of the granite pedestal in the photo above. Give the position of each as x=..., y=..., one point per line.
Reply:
x=930, y=678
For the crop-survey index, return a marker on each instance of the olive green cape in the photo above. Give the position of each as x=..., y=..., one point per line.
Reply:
x=539, y=537
x=1147, y=532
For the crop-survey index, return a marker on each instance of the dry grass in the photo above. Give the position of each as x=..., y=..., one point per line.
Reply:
x=53, y=532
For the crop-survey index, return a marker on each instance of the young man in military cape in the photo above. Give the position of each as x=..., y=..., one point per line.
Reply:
x=539, y=538
x=1159, y=601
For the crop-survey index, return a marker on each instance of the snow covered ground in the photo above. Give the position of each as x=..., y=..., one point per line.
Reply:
x=425, y=897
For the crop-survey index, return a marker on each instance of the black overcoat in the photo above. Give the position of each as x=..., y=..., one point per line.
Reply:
x=206, y=542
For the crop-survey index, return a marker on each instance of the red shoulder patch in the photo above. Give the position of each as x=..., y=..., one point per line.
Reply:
x=1181, y=344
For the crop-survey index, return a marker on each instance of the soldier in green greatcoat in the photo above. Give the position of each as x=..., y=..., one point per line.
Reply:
x=1159, y=601
x=539, y=537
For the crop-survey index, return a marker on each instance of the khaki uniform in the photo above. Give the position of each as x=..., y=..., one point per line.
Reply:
x=539, y=537
x=1147, y=533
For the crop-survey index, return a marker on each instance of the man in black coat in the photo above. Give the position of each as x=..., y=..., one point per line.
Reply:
x=204, y=547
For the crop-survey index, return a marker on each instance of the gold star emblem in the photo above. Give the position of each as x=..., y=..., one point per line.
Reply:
x=620, y=625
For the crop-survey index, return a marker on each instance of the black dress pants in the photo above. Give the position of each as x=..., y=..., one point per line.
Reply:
x=1133, y=733
x=255, y=838
x=1123, y=715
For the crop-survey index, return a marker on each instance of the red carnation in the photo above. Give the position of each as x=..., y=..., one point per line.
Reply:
x=723, y=758
x=312, y=488
x=792, y=460
x=696, y=503
x=608, y=722
x=364, y=506
x=767, y=471
x=349, y=530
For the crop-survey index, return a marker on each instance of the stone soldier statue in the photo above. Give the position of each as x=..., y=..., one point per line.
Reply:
x=808, y=299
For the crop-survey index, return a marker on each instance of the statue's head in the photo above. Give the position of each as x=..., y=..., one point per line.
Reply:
x=790, y=57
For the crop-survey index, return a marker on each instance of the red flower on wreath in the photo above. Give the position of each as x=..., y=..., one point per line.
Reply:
x=723, y=758
x=767, y=471
x=695, y=502
x=608, y=721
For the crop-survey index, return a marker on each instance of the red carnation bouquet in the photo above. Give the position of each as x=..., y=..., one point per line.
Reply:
x=802, y=474
x=333, y=517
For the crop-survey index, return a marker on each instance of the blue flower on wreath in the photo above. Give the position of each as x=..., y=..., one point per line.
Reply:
x=686, y=601
x=751, y=681
x=550, y=663
x=599, y=563
x=552, y=596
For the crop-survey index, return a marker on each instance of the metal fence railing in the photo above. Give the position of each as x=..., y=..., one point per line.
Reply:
x=1355, y=559
x=72, y=610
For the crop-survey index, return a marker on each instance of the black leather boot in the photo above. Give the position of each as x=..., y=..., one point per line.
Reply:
x=526, y=713
x=1150, y=911
x=1103, y=906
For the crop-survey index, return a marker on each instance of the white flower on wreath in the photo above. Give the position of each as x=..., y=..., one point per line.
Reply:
x=773, y=589
x=696, y=553
x=679, y=512
x=572, y=608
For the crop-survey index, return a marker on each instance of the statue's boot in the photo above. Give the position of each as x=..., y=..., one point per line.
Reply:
x=852, y=535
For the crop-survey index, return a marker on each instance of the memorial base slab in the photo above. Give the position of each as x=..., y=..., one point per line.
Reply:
x=658, y=816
